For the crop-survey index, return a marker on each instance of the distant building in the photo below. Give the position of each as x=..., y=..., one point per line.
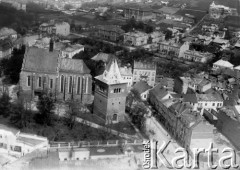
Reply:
x=167, y=12
x=138, y=12
x=222, y=64
x=110, y=94
x=136, y=38
x=217, y=11
x=46, y=70
x=143, y=89
x=58, y=28
x=144, y=71
x=6, y=48
x=109, y=32
x=8, y=33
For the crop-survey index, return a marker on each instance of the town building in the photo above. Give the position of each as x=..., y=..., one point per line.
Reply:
x=8, y=33
x=173, y=48
x=70, y=50
x=55, y=28
x=6, y=48
x=217, y=11
x=142, y=88
x=144, y=71
x=18, y=144
x=110, y=94
x=197, y=56
x=138, y=12
x=136, y=38
x=179, y=119
x=127, y=75
x=222, y=64
x=109, y=32
x=46, y=70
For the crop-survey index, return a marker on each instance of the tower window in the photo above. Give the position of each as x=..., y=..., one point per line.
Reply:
x=70, y=86
x=62, y=83
x=117, y=90
x=28, y=81
x=40, y=82
x=114, y=118
x=51, y=83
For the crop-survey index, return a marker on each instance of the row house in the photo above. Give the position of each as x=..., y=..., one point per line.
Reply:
x=197, y=56
x=58, y=28
x=46, y=70
x=138, y=12
x=179, y=119
x=144, y=71
x=109, y=32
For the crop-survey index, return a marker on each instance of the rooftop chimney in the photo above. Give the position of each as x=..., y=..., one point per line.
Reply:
x=51, y=45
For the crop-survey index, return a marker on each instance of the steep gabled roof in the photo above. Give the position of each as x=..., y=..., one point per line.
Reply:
x=73, y=66
x=40, y=60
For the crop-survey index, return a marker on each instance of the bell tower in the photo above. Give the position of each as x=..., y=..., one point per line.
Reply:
x=110, y=94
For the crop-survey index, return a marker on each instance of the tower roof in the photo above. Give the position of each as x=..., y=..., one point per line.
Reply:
x=112, y=74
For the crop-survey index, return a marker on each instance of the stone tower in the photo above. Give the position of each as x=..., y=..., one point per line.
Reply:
x=110, y=94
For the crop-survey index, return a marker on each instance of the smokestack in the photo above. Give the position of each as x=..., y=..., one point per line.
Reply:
x=51, y=45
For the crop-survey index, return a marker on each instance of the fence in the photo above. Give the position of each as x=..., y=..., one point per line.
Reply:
x=108, y=143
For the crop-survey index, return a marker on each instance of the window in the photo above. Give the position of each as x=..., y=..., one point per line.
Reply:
x=213, y=104
x=70, y=84
x=79, y=85
x=117, y=90
x=51, y=83
x=39, y=81
x=205, y=104
x=101, y=88
x=28, y=81
x=112, y=103
x=114, y=118
x=62, y=84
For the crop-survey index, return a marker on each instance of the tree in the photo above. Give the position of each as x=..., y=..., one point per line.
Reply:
x=11, y=67
x=68, y=6
x=45, y=106
x=168, y=34
x=5, y=105
x=71, y=114
x=137, y=115
x=20, y=117
x=132, y=97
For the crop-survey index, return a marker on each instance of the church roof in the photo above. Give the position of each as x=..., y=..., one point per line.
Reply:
x=73, y=66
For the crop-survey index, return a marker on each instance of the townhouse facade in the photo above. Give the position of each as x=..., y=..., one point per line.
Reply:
x=6, y=48
x=144, y=71
x=197, y=56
